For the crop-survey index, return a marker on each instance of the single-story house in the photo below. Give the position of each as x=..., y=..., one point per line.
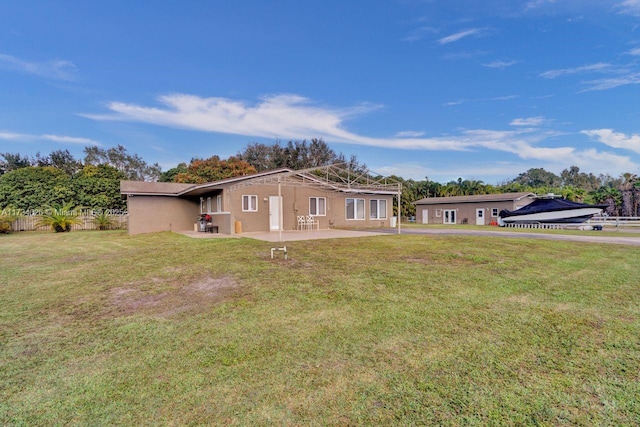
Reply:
x=275, y=200
x=479, y=210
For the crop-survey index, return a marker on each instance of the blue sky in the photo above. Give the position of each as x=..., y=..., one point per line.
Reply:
x=442, y=89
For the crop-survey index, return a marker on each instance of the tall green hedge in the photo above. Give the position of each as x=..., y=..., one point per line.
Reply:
x=35, y=187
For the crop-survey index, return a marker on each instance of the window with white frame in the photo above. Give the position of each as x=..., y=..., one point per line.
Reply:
x=202, y=206
x=249, y=203
x=438, y=213
x=355, y=208
x=317, y=206
x=208, y=204
x=494, y=212
x=378, y=209
x=219, y=203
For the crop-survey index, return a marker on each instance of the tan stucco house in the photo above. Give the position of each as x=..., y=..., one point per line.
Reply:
x=266, y=201
x=477, y=210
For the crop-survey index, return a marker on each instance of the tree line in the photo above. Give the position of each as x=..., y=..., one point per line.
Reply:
x=94, y=182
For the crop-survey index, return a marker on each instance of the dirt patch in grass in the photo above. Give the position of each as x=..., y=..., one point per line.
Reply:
x=162, y=298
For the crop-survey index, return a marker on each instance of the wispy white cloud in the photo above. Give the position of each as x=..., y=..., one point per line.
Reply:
x=528, y=121
x=62, y=139
x=286, y=115
x=409, y=134
x=629, y=7
x=615, y=139
x=69, y=139
x=10, y=136
x=500, y=64
x=536, y=4
x=502, y=98
x=601, y=162
x=628, y=78
x=616, y=75
x=466, y=101
x=635, y=51
x=455, y=56
x=462, y=34
x=598, y=67
x=56, y=69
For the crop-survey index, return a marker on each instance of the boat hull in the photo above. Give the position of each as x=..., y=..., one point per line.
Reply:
x=568, y=216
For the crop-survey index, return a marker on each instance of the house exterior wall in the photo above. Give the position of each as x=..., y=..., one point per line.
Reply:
x=466, y=212
x=296, y=202
x=149, y=214
x=156, y=207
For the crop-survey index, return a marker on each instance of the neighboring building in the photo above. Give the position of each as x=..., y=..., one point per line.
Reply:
x=264, y=201
x=477, y=210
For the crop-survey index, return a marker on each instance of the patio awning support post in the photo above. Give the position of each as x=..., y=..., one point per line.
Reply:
x=280, y=210
x=399, y=211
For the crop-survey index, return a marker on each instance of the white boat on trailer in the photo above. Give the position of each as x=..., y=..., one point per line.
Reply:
x=550, y=209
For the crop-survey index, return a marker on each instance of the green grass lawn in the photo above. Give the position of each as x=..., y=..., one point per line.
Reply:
x=102, y=328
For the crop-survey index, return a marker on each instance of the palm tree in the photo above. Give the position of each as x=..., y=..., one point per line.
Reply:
x=103, y=221
x=60, y=218
x=7, y=218
x=475, y=187
x=610, y=196
x=627, y=187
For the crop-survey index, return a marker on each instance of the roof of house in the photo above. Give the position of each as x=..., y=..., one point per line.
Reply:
x=153, y=188
x=283, y=176
x=503, y=197
x=177, y=189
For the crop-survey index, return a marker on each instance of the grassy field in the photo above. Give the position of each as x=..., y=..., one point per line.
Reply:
x=102, y=328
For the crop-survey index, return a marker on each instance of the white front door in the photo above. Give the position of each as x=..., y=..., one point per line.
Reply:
x=425, y=216
x=479, y=216
x=274, y=213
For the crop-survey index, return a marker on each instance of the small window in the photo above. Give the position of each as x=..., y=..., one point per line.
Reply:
x=208, y=204
x=355, y=208
x=378, y=209
x=219, y=203
x=202, y=206
x=494, y=212
x=249, y=203
x=438, y=213
x=317, y=206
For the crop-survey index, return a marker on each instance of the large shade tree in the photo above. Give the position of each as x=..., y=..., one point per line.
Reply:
x=131, y=165
x=212, y=169
x=296, y=155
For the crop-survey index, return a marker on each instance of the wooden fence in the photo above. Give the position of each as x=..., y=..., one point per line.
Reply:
x=29, y=223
